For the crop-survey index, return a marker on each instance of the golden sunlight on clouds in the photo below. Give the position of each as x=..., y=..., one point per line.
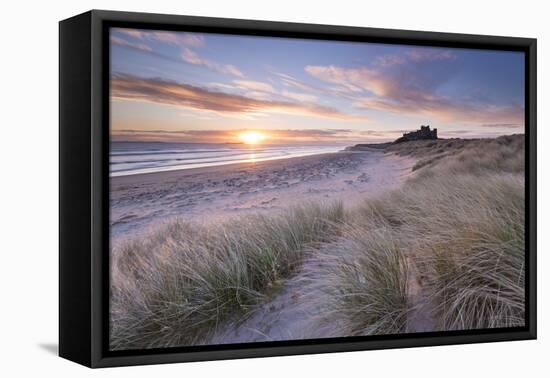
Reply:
x=252, y=137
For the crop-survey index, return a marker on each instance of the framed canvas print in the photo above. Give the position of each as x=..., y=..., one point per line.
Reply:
x=234, y=188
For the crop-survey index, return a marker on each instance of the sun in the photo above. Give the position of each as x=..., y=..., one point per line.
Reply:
x=252, y=137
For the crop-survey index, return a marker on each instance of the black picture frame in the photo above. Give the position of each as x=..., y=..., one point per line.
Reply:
x=84, y=187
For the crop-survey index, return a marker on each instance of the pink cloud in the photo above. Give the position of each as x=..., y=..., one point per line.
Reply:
x=417, y=55
x=502, y=125
x=445, y=110
x=274, y=135
x=181, y=39
x=155, y=90
x=290, y=81
x=258, y=86
x=175, y=38
x=354, y=80
x=401, y=84
x=123, y=42
x=192, y=57
x=303, y=97
x=429, y=54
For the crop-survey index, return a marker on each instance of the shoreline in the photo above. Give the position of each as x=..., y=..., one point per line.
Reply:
x=215, y=164
x=174, y=173
x=142, y=201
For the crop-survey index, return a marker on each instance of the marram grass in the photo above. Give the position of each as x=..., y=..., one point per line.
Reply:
x=458, y=224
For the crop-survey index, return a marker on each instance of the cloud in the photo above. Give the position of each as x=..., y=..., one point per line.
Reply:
x=192, y=57
x=302, y=97
x=217, y=136
x=502, y=125
x=344, y=136
x=408, y=84
x=184, y=40
x=260, y=89
x=290, y=81
x=175, y=38
x=312, y=133
x=160, y=91
x=418, y=55
x=137, y=46
x=308, y=92
x=263, y=90
x=388, y=134
x=221, y=86
x=429, y=54
x=355, y=80
x=469, y=134
x=193, y=40
x=390, y=60
x=258, y=95
x=254, y=85
x=446, y=110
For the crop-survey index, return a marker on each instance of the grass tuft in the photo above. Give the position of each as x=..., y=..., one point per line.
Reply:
x=176, y=287
x=360, y=283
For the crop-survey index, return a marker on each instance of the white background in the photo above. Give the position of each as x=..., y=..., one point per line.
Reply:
x=29, y=188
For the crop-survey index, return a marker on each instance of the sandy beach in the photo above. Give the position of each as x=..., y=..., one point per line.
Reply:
x=139, y=202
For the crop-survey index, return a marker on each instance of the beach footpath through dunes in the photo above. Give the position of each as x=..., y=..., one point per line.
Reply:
x=141, y=201
x=230, y=238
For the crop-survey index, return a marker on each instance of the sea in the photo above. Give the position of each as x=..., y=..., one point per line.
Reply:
x=131, y=158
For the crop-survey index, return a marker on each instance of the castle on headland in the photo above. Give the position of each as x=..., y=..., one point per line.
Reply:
x=422, y=134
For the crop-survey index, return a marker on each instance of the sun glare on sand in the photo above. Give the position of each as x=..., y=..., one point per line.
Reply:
x=252, y=137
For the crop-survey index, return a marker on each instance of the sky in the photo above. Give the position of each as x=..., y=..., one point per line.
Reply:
x=200, y=87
